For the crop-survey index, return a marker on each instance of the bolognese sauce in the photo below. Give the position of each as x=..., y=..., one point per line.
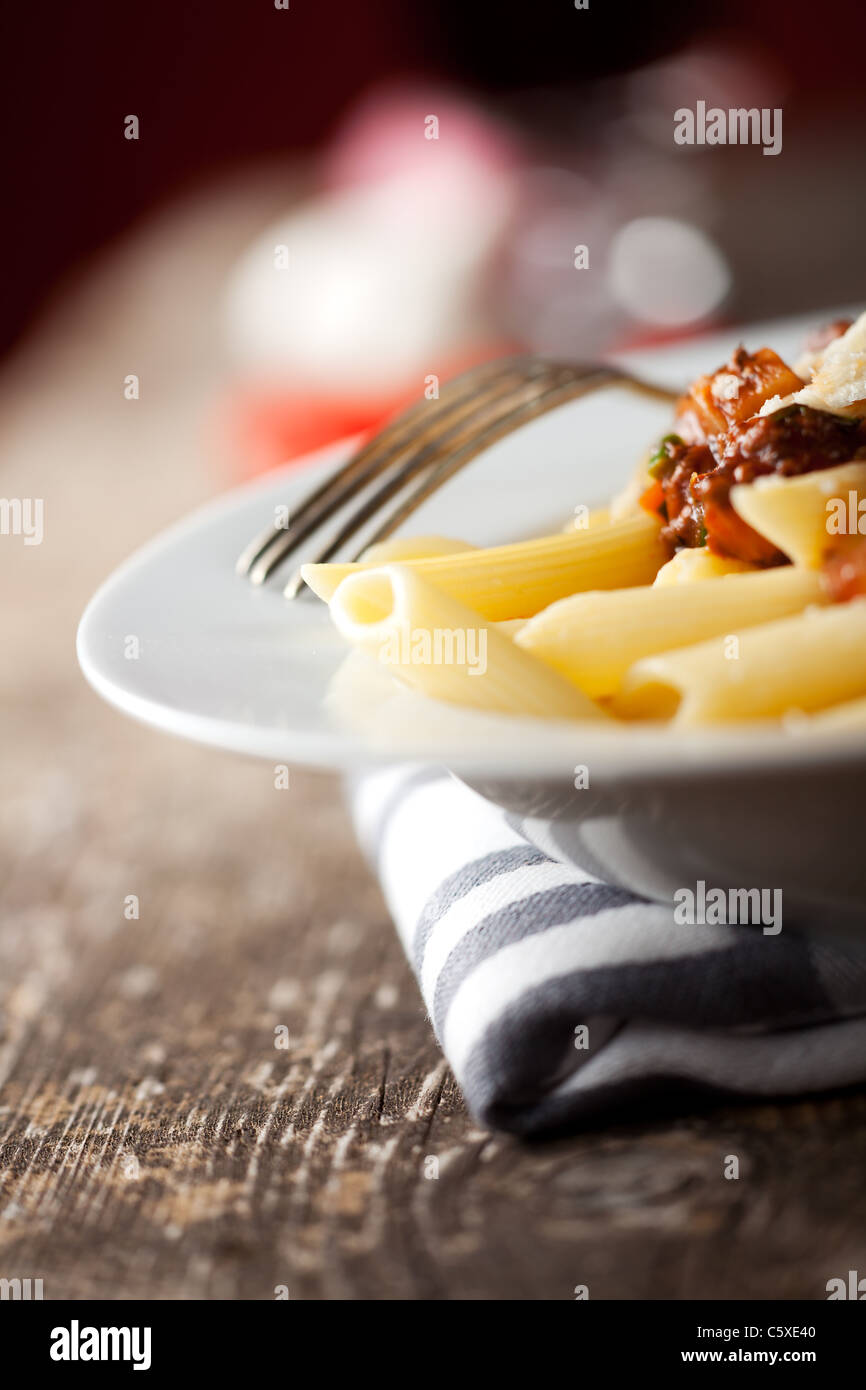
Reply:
x=722, y=441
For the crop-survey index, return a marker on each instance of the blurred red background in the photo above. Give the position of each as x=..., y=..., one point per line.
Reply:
x=219, y=82
x=572, y=108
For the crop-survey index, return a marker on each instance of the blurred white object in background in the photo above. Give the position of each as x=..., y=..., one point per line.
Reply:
x=721, y=70
x=556, y=309
x=380, y=278
x=664, y=271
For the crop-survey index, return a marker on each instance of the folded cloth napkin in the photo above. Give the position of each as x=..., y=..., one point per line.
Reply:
x=557, y=998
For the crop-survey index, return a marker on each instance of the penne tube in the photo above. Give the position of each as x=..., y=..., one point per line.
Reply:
x=397, y=549
x=585, y=517
x=593, y=639
x=517, y=581
x=694, y=566
x=441, y=648
x=802, y=515
x=851, y=714
x=805, y=663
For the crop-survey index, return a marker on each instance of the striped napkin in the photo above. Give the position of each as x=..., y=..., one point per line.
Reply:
x=558, y=999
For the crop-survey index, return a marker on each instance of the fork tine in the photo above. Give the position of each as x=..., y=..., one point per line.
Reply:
x=557, y=393
x=386, y=449
x=358, y=460
x=474, y=436
x=582, y=381
x=271, y=546
x=577, y=381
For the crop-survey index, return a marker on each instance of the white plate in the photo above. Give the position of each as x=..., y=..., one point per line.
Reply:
x=243, y=669
x=240, y=668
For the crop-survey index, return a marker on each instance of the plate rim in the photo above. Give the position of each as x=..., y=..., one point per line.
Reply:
x=632, y=753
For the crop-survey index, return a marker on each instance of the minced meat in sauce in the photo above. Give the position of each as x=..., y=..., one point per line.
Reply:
x=722, y=440
x=697, y=487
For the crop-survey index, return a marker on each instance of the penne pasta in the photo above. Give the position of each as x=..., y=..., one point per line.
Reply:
x=806, y=662
x=397, y=549
x=694, y=566
x=851, y=714
x=593, y=639
x=600, y=620
x=802, y=515
x=441, y=648
x=585, y=518
x=517, y=581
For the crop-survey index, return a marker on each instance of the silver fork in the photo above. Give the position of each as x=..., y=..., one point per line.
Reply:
x=427, y=444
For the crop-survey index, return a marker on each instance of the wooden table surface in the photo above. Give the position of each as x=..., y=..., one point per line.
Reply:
x=154, y=1142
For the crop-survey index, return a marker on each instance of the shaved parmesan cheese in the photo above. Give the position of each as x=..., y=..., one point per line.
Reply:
x=839, y=383
x=726, y=386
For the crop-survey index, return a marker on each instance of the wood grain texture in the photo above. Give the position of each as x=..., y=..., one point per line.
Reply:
x=154, y=1142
